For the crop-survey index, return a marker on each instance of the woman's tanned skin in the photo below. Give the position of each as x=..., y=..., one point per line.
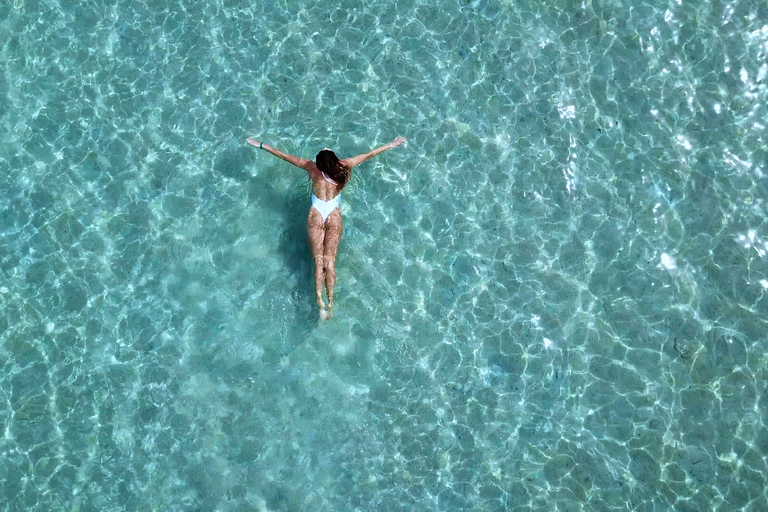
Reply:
x=324, y=236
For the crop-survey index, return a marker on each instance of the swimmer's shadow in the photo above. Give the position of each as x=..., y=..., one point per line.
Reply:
x=295, y=252
x=297, y=258
x=233, y=163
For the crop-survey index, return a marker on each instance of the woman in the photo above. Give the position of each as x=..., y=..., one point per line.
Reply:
x=329, y=175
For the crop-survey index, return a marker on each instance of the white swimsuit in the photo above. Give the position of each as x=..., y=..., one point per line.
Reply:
x=326, y=207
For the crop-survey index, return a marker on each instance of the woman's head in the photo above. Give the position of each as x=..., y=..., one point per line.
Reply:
x=327, y=161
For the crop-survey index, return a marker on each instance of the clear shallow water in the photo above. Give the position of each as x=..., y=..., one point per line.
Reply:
x=554, y=298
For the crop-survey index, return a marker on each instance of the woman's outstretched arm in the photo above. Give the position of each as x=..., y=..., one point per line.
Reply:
x=357, y=160
x=302, y=163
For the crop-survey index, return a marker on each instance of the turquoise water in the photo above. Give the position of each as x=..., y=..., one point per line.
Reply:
x=553, y=298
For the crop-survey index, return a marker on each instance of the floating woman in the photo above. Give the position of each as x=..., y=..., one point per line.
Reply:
x=329, y=175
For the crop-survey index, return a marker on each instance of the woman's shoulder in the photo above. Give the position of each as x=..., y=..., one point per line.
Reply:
x=312, y=170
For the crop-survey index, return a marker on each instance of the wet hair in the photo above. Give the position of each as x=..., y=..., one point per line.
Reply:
x=329, y=163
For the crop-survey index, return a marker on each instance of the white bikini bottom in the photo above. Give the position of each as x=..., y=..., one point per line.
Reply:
x=325, y=207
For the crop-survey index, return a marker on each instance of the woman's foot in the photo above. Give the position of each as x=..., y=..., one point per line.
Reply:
x=325, y=313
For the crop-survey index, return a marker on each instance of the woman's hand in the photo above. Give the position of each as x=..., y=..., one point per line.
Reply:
x=254, y=142
x=397, y=142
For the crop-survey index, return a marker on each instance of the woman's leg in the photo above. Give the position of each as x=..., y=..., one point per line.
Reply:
x=316, y=230
x=334, y=228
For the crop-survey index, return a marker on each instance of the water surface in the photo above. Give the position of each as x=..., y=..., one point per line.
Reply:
x=554, y=298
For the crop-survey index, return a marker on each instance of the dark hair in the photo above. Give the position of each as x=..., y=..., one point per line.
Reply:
x=329, y=163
